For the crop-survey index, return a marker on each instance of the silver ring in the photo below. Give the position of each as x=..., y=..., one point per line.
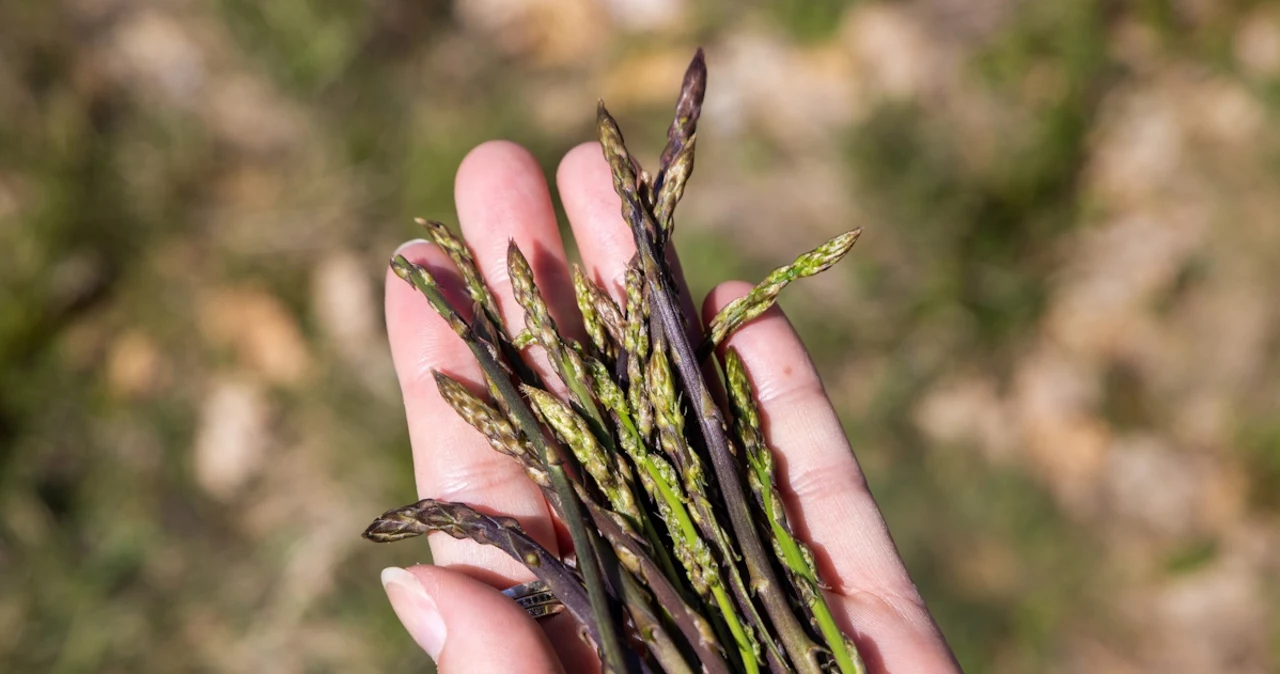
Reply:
x=536, y=599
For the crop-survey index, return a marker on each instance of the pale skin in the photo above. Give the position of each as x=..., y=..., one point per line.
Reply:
x=454, y=609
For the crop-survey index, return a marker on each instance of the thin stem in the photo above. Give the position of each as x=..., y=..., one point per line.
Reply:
x=692, y=625
x=794, y=555
x=650, y=628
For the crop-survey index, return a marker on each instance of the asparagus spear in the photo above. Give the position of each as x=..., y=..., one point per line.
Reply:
x=611, y=477
x=600, y=315
x=676, y=164
x=502, y=436
x=761, y=297
x=664, y=305
x=466, y=264
x=794, y=555
x=461, y=521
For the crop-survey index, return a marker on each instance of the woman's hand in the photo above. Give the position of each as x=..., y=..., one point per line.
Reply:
x=454, y=609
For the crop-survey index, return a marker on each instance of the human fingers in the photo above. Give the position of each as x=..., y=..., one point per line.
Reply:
x=827, y=499
x=465, y=625
x=501, y=197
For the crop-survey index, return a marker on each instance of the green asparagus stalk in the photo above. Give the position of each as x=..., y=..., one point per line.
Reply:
x=502, y=436
x=573, y=431
x=695, y=629
x=600, y=315
x=636, y=344
x=649, y=626
x=794, y=555
x=664, y=302
x=466, y=264
x=756, y=302
x=486, y=312
x=565, y=361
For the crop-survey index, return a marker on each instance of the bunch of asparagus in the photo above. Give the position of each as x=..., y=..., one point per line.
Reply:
x=672, y=570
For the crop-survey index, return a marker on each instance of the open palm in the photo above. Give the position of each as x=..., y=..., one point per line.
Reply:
x=454, y=609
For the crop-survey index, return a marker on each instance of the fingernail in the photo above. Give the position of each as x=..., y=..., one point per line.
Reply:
x=415, y=609
x=405, y=246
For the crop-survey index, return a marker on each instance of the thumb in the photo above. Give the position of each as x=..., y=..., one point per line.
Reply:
x=465, y=625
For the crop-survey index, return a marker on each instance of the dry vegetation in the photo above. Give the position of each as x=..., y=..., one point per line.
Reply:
x=1057, y=349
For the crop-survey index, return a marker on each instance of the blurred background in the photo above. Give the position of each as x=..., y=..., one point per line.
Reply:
x=1056, y=348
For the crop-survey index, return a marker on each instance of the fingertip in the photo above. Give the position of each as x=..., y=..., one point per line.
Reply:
x=416, y=609
x=455, y=619
x=495, y=157
x=584, y=160
x=408, y=245
x=500, y=193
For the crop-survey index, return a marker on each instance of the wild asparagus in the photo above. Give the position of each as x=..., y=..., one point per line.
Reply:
x=791, y=553
x=761, y=297
x=633, y=459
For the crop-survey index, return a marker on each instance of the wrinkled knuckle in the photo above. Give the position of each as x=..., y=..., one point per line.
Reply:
x=900, y=600
x=817, y=485
x=470, y=481
x=788, y=386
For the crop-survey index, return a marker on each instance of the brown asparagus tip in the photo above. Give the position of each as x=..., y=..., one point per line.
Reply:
x=402, y=267
x=696, y=74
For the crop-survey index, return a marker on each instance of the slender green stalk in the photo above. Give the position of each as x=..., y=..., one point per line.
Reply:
x=664, y=487
x=466, y=264
x=670, y=423
x=493, y=425
x=574, y=432
x=635, y=342
x=794, y=555
x=756, y=302
x=613, y=400
x=692, y=625
x=664, y=303
x=538, y=322
x=589, y=560
x=649, y=627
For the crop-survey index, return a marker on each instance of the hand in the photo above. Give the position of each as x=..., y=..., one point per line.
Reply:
x=454, y=609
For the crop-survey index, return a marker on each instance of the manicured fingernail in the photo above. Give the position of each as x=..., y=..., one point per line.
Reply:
x=415, y=609
x=405, y=246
